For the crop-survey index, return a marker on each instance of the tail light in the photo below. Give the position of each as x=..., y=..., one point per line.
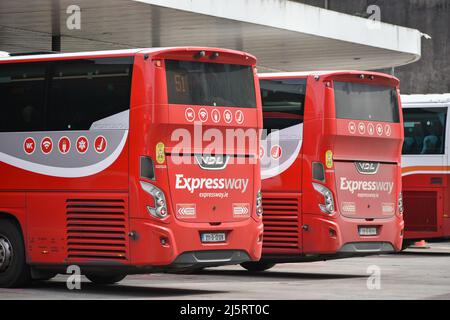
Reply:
x=259, y=208
x=400, y=203
x=328, y=205
x=160, y=208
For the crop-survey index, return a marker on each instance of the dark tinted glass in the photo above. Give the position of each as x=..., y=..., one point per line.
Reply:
x=424, y=130
x=283, y=102
x=365, y=102
x=22, y=96
x=85, y=91
x=210, y=84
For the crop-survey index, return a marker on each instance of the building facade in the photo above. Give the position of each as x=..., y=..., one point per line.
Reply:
x=430, y=74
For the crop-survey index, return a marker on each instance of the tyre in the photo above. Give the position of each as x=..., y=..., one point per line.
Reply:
x=257, y=266
x=105, y=278
x=14, y=271
x=406, y=244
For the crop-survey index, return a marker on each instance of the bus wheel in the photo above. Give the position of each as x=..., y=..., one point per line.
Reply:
x=406, y=244
x=14, y=272
x=257, y=266
x=105, y=279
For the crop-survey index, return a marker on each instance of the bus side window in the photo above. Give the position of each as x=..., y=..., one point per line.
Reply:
x=424, y=130
x=84, y=91
x=283, y=103
x=22, y=94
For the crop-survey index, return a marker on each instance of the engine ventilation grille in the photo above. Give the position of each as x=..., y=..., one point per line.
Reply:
x=281, y=223
x=96, y=229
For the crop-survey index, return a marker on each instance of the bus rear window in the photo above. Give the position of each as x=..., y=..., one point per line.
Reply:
x=360, y=101
x=210, y=84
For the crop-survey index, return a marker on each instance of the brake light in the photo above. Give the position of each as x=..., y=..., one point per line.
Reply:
x=328, y=205
x=259, y=208
x=400, y=203
x=160, y=208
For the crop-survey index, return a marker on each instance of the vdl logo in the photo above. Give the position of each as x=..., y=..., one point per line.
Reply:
x=212, y=162
x=367, y=167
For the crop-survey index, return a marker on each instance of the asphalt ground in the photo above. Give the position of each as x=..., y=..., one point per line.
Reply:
x=412, y=274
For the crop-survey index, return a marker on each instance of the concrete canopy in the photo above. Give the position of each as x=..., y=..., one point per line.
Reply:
x=283, y=35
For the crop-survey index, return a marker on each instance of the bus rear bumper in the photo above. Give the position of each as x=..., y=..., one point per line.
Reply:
x=210, y=258
x=178, y=245
x=367, y=247
x=341, y=235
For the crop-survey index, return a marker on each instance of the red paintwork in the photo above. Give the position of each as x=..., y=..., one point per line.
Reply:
x=40, y=202
x=322, y=131
x=426, y=206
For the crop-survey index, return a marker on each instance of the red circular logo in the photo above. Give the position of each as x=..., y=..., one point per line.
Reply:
x=227, y=116
x=203, y=115
x=82, y=144
x=46, y=145
x=189, y=114
x=275, y=152
x=215, y=115
x=379, y=129
x=387, y=130
x=370, y=129
x=29, y=145
x=239, y=116
x=351, y=127
x=100, y=144
x=261, y=152
x=361, y=128
x=64, y=145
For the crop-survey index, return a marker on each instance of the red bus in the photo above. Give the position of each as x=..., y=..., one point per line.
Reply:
x=89, y=171
x=425, y=166
x=330, y=161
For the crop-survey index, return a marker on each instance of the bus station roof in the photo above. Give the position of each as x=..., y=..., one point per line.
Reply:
x=284, y=35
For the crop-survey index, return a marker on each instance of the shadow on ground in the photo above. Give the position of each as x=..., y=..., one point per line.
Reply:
x=425, y=253
x=116, y=290
x=279, y=274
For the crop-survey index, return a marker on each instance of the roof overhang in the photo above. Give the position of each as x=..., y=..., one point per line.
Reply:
x=283, y=35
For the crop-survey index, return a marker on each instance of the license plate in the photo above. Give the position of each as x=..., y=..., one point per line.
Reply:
x=368, y=231
x=213, y=237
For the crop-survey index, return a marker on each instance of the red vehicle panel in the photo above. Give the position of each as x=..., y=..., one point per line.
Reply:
x=334, y=191
x=425, y=166
x=90, y=170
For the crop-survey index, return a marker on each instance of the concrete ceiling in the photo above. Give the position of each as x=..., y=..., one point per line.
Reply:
x=283, y=35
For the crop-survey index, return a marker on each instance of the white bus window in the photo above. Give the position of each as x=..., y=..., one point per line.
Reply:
x=424, y=130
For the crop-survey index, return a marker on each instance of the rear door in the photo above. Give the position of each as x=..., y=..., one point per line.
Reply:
x=212, y=140
x=367, y=149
